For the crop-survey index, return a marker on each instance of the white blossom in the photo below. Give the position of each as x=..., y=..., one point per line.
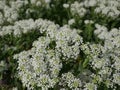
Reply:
x=68, y=79
x=105, y=7
x=71, y=21
x=68, y=42
x=90, y=86
x=65, y=5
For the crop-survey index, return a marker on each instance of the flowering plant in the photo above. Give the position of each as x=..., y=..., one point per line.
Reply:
x=60, y=44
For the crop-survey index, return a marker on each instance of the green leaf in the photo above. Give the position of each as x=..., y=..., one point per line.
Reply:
x=85, y=63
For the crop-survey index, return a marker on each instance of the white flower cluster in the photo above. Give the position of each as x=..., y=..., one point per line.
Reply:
x=65, y=5
x=109, y=8
x=112, y=47
x=10, y=12
x=39, y=3
x=105, y=60
x=24, y=26
x=88, y=22
x=35, y=2
x=101, y=31
x=36, y=5
x=71, y=21
x=78, y=9
x=69, y=80
x=68, y=42
x=90, y=86
x=18, y=28
x=14, y=88
x=111, y=37
x=41, y=65
x=47, y=27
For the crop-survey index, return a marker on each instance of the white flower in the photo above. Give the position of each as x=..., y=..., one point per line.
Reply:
x=66, y=5
x=33, y=1
x=116, y=78
x=90, y=86
x=14, y=88
x=47, y=1
x=71, y=81
x=88, y=22
x=90, y=3
x=68, y=42
x=71, y=21
x=105, y=7
x=38, y=3
x=77, y=8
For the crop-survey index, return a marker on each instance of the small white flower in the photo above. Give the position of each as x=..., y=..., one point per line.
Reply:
x=14, y=88
x=47, y=1
x=71, y=21
x=90, y=86
x=66, y=5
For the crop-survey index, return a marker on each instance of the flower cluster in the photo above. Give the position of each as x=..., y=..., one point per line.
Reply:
x=68, y=42
x=10, y=11
x=69, y=80
x=41, y=65
x=39, y=2
x=88, y=22
x=105, y=59
x=105, y=7
x=25, y=26
x=36, y=5
x=78, y=9
x=60, y=44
